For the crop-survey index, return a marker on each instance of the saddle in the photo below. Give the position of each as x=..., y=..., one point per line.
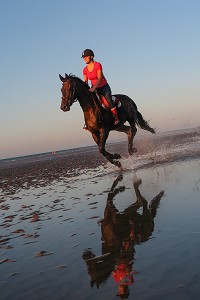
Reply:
x=104, y=103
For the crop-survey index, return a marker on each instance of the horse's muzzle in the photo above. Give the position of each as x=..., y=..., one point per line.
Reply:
x=65, y=108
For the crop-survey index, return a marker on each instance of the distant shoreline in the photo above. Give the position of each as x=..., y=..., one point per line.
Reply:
x=89, y=157
x=94, y=147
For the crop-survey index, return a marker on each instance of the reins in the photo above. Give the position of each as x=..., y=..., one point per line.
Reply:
x=77, y=88
x=72, y=97
x=97, y=107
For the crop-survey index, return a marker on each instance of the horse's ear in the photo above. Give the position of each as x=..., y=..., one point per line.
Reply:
x=66, y=76
x=61, y=78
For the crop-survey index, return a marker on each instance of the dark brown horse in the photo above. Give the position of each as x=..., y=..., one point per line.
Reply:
x=98, y=120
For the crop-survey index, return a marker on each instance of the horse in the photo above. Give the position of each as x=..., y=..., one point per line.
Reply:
x=99, y=121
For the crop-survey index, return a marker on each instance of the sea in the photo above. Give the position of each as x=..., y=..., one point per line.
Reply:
x=73, y=226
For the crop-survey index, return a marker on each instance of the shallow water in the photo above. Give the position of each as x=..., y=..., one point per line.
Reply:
x=100, y=232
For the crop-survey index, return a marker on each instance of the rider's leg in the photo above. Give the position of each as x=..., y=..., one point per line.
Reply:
x=115, y=115
x=106, y=92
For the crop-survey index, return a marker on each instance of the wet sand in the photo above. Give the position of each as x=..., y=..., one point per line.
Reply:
x=75, y=227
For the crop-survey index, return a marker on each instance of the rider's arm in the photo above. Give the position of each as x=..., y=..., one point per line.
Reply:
x=99, y=79
x=85, y=78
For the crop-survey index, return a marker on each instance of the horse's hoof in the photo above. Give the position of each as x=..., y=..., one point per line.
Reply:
x=116, y=156
x=117, y=163
x=133, y=150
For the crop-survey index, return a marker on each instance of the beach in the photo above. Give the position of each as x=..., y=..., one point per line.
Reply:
x=73, y=226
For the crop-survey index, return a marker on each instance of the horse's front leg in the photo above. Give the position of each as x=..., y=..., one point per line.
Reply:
x=100, y=138
x=103, y=138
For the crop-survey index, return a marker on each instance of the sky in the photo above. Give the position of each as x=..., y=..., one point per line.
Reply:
x=149, y=50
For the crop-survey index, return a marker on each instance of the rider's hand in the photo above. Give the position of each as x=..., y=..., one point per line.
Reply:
x=91, y=89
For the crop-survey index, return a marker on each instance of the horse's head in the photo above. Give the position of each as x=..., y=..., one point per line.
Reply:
x=68, y=92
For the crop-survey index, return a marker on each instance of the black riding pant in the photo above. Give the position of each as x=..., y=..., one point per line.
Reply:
x=106, y=92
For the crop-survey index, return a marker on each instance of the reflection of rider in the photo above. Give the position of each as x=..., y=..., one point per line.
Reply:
x=123, y=270
x=121, y=231
x=124, y=278
x=123, y=273
x=94, y=72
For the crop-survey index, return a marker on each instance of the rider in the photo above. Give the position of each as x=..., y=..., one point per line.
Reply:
x=94, y=72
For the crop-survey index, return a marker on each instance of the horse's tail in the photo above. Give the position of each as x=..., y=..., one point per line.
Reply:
x=142, y=123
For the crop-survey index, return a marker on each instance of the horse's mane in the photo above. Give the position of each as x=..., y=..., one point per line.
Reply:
x=80, y=81
x=85, y=85
x=92, y=96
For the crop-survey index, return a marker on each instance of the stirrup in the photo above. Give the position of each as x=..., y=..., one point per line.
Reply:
x=116, y=122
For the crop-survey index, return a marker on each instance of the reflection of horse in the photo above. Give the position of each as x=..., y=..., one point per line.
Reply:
x=120, y=232
x=100, y=121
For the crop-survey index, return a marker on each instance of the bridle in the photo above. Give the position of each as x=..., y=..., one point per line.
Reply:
x=72, y=97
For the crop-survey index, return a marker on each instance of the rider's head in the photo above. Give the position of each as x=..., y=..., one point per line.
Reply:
x=88, y=55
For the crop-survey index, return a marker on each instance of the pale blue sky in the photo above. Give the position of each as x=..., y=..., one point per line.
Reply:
x=149, y=50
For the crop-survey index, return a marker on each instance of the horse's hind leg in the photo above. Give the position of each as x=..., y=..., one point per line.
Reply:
x=131, y=132
x=131, y=135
